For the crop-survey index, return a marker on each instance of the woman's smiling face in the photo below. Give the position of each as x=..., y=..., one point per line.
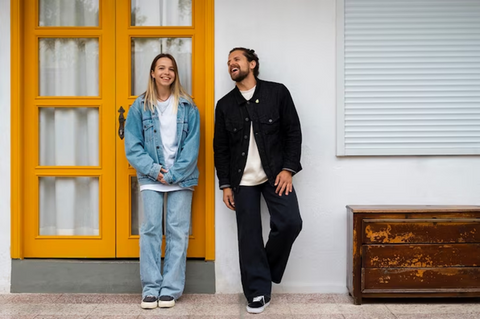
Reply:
x=164, y=72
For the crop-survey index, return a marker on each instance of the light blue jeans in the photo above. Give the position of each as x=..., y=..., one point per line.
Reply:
x=179, y=207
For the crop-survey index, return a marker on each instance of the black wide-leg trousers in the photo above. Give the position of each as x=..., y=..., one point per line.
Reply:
x=260, y=264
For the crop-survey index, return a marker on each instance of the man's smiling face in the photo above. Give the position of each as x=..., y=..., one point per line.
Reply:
x=238, y=66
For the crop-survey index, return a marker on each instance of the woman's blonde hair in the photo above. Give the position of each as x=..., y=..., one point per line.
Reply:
x=176, y=88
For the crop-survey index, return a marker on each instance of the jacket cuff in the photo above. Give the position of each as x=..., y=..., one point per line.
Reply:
x=168, y=178
x=154, y=171
x=224, y=186
x=290, y=170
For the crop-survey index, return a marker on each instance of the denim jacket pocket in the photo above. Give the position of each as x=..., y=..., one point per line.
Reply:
x=148, y=130
x=184, y=130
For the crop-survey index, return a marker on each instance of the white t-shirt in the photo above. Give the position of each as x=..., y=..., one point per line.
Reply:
x=253, y=173
x=168, y=131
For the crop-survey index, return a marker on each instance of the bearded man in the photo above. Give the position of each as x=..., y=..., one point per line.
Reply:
x=257, y=148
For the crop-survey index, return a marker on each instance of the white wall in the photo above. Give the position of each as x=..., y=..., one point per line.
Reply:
x=5, y=263
x=295, y=41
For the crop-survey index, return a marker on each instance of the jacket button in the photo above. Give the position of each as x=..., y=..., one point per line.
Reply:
x=158, y=147
x=239, y=170
x=270, y=120
x=245, y=137
x=246, y=119
x=154, y=131
x=248, y=102
x=243, y=153
x=234, y=129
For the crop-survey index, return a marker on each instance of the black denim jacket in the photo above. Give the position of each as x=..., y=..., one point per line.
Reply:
x=276, y=128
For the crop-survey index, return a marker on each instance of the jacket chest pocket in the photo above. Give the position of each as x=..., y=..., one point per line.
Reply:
x=235, y=131
x=148, y=131
x=270, y=124
x=185, y=129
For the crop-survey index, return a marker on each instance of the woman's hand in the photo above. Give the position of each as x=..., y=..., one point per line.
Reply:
x=160, y=176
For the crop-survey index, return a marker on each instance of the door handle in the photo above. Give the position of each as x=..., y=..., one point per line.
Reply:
x=121, y=123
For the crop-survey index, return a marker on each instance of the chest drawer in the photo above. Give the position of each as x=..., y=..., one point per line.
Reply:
x=409, y=231
x=420, y=256
x=413, y=251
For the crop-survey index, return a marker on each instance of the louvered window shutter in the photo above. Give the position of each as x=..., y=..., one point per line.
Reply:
x=408, y=77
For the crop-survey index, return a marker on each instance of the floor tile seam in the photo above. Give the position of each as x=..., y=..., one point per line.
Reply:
x=394, y=314
x=390, y=310
x=93, y=309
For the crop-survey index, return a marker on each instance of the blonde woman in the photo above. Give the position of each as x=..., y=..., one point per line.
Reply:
x=162, y=137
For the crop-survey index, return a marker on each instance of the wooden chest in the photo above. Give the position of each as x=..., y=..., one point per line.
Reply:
x=413, y=251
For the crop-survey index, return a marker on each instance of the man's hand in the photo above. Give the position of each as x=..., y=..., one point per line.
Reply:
x=283, y=183
x=228, y=198
x=160, y=176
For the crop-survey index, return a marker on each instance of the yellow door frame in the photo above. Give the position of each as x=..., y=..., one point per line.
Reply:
x=17, y=120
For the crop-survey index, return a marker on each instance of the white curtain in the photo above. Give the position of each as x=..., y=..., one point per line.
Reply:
x=161, y=12
x=69, y=206
x=68, y=13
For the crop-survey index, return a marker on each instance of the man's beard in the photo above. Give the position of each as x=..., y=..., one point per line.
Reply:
x=240, y=76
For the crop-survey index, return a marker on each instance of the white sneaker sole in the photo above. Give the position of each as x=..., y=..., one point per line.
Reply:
x=257, y=310
x=148, y=305
x=166, y=304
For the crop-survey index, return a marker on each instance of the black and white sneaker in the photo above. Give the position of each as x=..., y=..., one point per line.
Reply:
x=258, y=304
x=149, y=302
x=166, y=302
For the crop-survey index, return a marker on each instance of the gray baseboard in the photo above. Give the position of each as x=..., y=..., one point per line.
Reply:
x=98, y=276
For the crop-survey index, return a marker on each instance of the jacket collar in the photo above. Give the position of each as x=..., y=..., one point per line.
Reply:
x=239, y=97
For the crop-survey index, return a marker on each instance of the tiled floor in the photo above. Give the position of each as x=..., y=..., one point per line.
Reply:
x=321, y=306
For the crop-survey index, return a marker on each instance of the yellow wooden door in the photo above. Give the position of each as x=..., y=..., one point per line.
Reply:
x=68, y=132
x=78, y=193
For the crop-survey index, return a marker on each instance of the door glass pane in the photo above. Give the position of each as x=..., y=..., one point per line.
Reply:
x=144, y=51
x=161, y=12
x=69, y=206
x=68, y=66
x=73, y=13
x=68, y=136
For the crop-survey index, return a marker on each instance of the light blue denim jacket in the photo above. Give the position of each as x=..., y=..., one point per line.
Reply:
x=143, y=144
